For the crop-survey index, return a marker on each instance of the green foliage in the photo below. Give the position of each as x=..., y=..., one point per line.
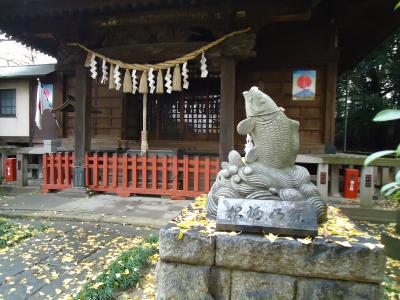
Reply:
x=397, y=6
x=12, y=233
x=391, y=190
x=387, y=115
x=125, y=272
x=376, y=155
x=374, y=85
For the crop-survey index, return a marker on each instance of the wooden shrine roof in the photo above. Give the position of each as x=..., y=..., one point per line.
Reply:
x=48, y=24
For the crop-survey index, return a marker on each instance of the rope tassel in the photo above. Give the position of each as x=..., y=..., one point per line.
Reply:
x=160, y=85
x=127, y=85
x=177, y=80
x=111, y=82
x=143, y=88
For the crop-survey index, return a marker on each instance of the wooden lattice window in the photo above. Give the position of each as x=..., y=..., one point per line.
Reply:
x=192, y=114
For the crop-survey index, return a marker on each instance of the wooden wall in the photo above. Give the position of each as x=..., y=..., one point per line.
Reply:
x=282, y=49
x=107, y=118
x=277, y=83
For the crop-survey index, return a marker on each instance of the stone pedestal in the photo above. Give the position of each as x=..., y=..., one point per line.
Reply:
x=246, y=266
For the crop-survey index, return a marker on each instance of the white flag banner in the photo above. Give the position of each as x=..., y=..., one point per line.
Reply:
x=41, y=98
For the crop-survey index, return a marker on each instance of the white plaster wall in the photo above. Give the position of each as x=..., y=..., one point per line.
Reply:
x=18, y=126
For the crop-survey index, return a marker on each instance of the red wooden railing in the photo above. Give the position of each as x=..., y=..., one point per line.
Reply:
x=131, y=174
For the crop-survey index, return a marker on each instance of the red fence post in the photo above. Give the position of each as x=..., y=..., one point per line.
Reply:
x=144, y=172
x=175, y=174
x=134, y=173
x=125, y=172
x=115, y=170
x=67, y=172
x=52, y=169
x=164, y=174
x=207, y=174
x=154, y=178
x=105, y=169
x=185, y=173
x=196, y=173
x=95, y=170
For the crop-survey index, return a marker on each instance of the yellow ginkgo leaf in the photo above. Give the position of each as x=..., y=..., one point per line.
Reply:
x=126, y=272
x=97, y=285
x=305, y=241
x=58, y=291
x=271, y=237
x=370, y=245
x=344, y=243
x=180, y=235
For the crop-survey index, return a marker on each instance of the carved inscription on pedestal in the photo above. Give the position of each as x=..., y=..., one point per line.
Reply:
x=273, y=216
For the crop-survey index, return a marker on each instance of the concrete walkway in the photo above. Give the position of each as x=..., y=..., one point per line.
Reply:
x=101, y=208
x=54, y=264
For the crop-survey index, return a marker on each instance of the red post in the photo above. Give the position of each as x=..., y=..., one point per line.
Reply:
x=59, y=170
x=207, y=174
x=67, y=169
x=164, y=173
x=185, y=173
x=115, y=170
x=134, y=173
x=196, y=173
x=52, y=168
x=154, y=173
x=144, y=172
x=105, y=169
x=125, y=172
x=95, y=170
x=175, y=173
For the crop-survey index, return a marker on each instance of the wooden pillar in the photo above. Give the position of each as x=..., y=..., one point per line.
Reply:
x=227, y=109
x=82, y=123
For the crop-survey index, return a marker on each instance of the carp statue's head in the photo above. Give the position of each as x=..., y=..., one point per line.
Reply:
x=258, y=103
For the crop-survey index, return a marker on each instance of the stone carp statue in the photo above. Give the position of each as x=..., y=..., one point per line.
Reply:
x=267, y=171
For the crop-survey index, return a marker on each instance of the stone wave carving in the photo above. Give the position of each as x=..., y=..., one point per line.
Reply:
x=267, y=171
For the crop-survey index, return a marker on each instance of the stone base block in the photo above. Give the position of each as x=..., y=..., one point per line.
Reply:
x=178, y=281
x=187, y=282
x=216, y=265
